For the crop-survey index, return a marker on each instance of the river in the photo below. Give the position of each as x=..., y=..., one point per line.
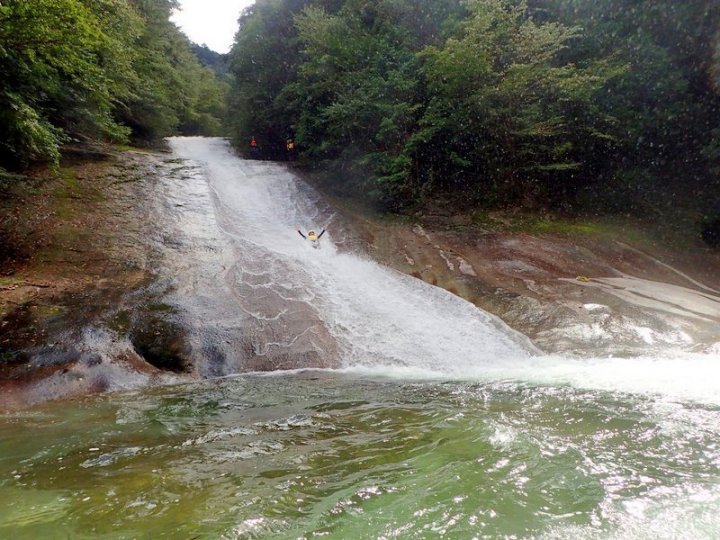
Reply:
x=400, y=411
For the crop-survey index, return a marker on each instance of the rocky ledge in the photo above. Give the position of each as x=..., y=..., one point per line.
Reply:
x=588, y=289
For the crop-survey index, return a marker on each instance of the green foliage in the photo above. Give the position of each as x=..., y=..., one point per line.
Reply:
x=173, y=92
x=538, y=102
x=218, y=63
x=96, y=69
x=502, y=100
x=48, y=56
x=665, y=102
x=356, y=82
x=264, y=63
x=715, y=68
x=712, y=150
x=25, y=135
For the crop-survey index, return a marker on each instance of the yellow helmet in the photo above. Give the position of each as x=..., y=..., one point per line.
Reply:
x=311, y=234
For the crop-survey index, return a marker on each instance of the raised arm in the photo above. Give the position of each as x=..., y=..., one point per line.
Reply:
x=301, y=234
x=320, y=235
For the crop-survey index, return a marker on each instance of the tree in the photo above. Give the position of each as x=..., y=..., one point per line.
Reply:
x=505, y=117
x=172, y=91
x=97, y=69
x=55, y=85
x=263, y=63
x=502, y=101
x=356, y=81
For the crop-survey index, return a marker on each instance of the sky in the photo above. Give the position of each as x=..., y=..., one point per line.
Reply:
x=210, y=22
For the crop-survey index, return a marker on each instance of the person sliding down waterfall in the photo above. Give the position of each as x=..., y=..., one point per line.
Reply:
x=312, y=236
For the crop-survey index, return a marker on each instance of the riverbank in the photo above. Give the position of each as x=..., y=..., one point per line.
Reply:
x=76, y=255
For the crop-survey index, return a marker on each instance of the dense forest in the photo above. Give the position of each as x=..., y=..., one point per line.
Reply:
x=570, y=105
x=114, y=70
x=610, y=105
x=213, y=60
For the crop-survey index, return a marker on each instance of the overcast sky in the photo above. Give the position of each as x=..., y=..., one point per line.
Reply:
x=212, y=22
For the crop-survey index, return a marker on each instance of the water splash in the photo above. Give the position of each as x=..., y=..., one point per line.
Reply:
x=336, y=303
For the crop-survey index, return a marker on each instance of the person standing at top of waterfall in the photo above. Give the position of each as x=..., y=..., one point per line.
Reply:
x=290, y=147
x=312, y=236
x=254, y=150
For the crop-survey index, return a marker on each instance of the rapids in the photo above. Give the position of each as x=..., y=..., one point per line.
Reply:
x=403, y=411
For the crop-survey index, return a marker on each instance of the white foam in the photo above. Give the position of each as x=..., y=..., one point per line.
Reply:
x=682, y=376
x=691, y=512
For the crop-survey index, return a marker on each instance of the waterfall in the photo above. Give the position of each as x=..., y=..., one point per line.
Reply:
x=289, y=306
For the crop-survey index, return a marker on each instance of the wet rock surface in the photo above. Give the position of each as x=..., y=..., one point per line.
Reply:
x=83, y=257
x=589, y=294
x=125, y=280
x=161, y=343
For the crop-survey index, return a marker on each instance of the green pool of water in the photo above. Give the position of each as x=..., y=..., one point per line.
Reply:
x=336, y=456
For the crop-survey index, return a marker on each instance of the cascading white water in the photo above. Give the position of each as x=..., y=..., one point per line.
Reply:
x=376, y=315
x=378, y=319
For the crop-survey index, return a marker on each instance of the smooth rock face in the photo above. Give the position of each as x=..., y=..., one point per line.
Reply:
x=541, y=285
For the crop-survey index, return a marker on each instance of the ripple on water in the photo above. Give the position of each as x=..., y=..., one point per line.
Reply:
x=345, y=457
